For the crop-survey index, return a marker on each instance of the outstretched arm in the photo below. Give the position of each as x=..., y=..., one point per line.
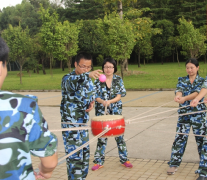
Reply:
x=195, y=101
x=46, y=166
x=178, y=97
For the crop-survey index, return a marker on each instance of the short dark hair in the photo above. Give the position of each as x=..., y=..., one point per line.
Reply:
x=4, y=51
x=193, y=61
x=83, y=55
x=110, y=60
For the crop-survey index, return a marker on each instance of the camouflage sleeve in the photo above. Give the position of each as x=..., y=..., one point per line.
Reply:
x=76, y=82
x=97, y=89
x=204, y=85
x=122, y=89
x=42, y=142
x=179, y=87
x=199, y=84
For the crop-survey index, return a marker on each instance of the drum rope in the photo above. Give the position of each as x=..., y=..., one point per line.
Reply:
x=84, y=145
x=167, y=132
x=70, y=129
x=149, y=110
x=131, y=119
x=184, y=114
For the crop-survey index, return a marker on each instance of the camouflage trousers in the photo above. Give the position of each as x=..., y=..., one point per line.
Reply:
x=198, y=123
x=78, y=163
x=101, y=147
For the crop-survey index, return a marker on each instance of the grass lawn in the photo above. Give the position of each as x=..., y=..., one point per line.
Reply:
x=150, y=76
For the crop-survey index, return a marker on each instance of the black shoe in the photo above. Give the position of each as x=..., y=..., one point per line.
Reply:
x=201, y=178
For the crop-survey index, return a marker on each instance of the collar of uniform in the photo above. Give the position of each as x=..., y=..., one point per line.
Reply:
x=196, y=79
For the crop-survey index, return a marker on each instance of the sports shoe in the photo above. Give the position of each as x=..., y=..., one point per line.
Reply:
x=96, y=167
x=127, y=164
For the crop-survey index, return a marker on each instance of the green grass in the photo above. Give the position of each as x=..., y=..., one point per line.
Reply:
x=150, y=76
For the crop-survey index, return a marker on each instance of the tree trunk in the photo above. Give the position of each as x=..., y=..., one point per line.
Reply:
x=20, y=75
x=37, y=69
x=69, y=64
x=43, y=67
x=61, y=64
x=139, y=59
x=177, y=57
x=9, y=65
x=144, y=61
x=120, y=9
x=204, y=58
x=51, y=60
x=173, y=57
x=125, y=63
x=122, y=69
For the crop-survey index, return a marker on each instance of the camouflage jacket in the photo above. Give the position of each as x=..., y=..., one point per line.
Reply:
x=117, y=87
x=23, y=131
x=184, y=85
x=204, y=84
x=77, y=94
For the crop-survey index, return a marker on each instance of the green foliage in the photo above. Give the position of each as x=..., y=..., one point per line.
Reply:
x=20, y=44
x=143, y=31
x=50, y=34
x=192, y=41
x=90, y=37
x=84, y=10
x=99, y=59
x=26, y=13
x=69, y=39
x=161, y=44
x=117, y=36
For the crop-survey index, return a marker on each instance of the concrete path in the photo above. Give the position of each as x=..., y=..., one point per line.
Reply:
x=148, y=140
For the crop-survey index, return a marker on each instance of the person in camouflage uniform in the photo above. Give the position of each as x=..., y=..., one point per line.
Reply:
x=77, y=100
x=109, y=93
x=187, y=89
x=23, y=131
x=202, y=170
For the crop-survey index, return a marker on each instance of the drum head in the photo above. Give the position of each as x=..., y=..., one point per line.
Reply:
x=107, y=118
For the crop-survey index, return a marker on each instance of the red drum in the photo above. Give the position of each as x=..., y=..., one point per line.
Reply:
x=115, y=122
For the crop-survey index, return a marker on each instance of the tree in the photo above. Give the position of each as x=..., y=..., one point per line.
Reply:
x=20, y=44
x=82, y=10
x=38, y=51
x=161, y=45
x=175, y=44
x=89, y=38
x=51, y=35
x=192, y=41
x=202, y=30
x=117, y=37
x=143, y=31
x=69, y=38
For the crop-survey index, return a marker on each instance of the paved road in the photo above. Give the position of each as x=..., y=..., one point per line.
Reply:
x=148, y=139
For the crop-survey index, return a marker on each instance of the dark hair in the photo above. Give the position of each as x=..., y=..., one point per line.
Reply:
x=4, y=51
x=193, y=61
x=110, y=60
x=83, y=55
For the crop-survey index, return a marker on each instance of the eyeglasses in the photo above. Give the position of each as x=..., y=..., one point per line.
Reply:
x=108, y=67
x=85, y=67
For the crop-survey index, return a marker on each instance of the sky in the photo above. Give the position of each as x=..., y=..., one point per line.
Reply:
x=5, y=3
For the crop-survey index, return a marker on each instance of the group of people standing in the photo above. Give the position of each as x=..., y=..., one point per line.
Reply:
x=79, y=95
x=24, y=131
